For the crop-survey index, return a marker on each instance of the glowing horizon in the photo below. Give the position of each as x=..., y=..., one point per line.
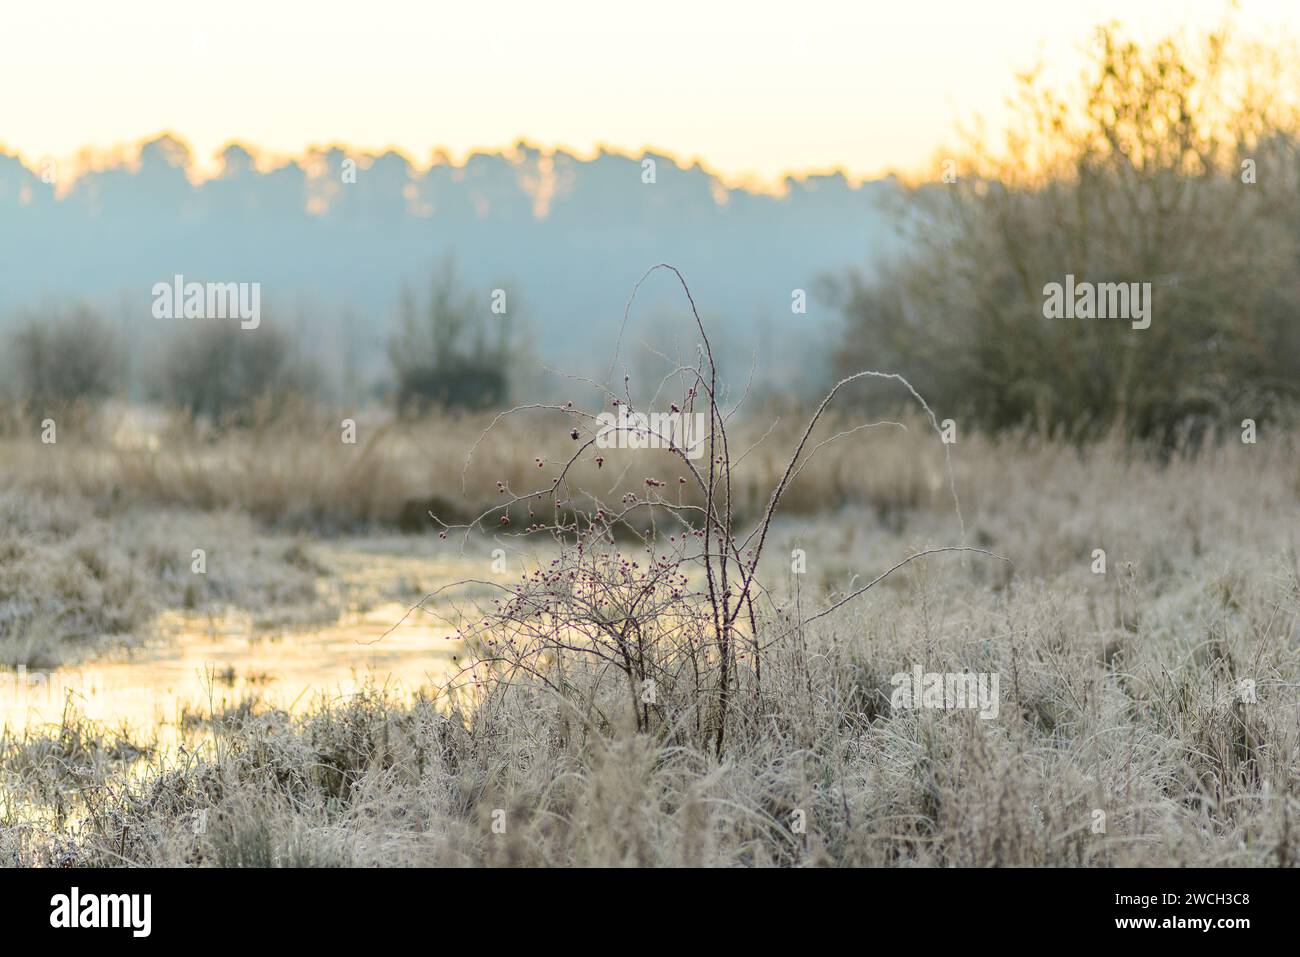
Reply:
x=752, y=97
x=127, y=155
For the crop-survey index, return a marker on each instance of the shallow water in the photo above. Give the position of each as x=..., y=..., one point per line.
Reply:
x=200, y=665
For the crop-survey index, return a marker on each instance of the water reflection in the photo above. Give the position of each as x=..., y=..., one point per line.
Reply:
x=203, y=665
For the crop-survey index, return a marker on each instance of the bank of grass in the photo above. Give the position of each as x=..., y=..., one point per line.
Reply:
x=1120, y=693
x=80, y=577
x=290, y=470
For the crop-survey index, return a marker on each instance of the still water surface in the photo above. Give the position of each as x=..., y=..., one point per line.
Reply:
x=202, y=664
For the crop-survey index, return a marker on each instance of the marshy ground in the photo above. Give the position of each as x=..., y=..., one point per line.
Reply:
x=1148, y=714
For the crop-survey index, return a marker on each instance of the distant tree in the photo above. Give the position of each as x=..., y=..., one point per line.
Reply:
x=66, y=357
x=444, y=354
x=1143, y=179
x=219, y=371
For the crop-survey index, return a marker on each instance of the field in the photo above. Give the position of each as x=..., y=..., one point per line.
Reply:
x=1147, y=713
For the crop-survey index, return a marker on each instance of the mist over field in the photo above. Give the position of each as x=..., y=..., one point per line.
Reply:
x=566, y=237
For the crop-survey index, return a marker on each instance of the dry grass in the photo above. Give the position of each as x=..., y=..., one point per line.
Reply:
x=292, y=471
x=1119, y=693
x=78, y=576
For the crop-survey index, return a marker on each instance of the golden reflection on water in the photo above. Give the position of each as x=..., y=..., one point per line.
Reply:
x=198, y=666
x=201, y=665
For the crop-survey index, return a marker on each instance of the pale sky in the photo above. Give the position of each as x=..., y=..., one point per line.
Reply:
x=752, y=89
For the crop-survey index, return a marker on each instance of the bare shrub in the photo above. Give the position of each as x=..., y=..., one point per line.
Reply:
x=221, y=372
x=686, y=627
x=436, y=361
x=66, y=357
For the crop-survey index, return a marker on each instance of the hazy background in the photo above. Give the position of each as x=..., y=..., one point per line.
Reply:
x=170, y=141
x=566, y=239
